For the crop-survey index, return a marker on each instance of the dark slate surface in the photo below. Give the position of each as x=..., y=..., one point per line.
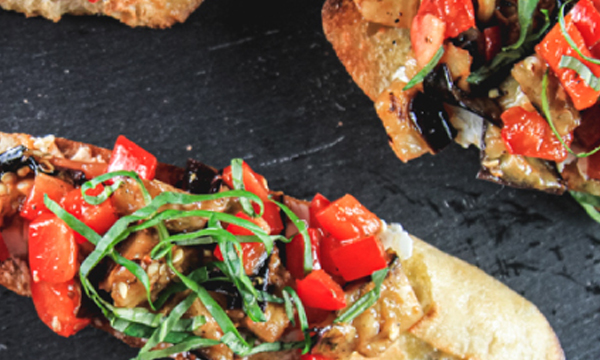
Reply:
x=257, y=79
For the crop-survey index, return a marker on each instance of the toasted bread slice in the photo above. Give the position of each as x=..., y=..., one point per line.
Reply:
x=151, y=13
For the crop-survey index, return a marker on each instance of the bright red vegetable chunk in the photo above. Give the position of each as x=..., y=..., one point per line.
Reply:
x=295, y=253
x=252, y=253
x=127, y=155
x=52, y=250
x=57, y=306
x=493, y=42
x=527, y=133
x=359, y=258
x=427, y=34
x=54, y=187
x=346, y=219
x=313, y=357
x=99, y=218
x=257, y=185
x=4, y=253
x=586, y=18
x=318, y=290
x=554, y=47
x=318, y=203
x=328, y=245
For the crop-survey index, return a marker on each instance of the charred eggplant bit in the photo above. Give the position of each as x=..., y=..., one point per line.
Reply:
x=197, y=271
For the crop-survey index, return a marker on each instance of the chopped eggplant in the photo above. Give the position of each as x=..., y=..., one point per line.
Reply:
x=200, y=178
x=439, y=82
x=14, y=159
x=472, y=40
x=431, y=119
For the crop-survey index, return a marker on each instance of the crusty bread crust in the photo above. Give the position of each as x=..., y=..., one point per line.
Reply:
x=151, y=13
x=468, y=314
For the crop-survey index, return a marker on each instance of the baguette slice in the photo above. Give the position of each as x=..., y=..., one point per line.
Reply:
x=468, y=314
x=151, y=13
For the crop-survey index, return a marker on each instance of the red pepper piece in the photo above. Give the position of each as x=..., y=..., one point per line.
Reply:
x=318, y=290
x=253, y=182
x=43, y=184
x=127, y=155
x=328, y=245
x=98, y=217
x=427, y=34
x=553, y=48
x=4, y=253
x=459, y=16
x=313, y=357
x=251, y=252
x=586, y=18
x=493, y=42
x=359, y=258
x=57, y=306
x=318, y=203
x=52, y=250
x=257, y=185
x=295, y=253
x=346, y=218
x=527, y=133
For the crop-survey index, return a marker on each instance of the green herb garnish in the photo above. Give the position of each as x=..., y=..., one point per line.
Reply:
x=526, y=8
x=417, y=79
x=365, y=301
x=237, y=176
x=589, y=203
x=303, y=230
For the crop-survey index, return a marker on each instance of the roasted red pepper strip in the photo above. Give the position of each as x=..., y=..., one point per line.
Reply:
x=359, y=258
x=313, y=357
x=127, y=155
x=586, y=18
x=43, y=184
x=295, y=253
x=554, y=47
x=319, y=291
x=57, y=306
x=346, y=218
x=328, y=245
x=527, y=133
x=4, y=253
x=52, y=250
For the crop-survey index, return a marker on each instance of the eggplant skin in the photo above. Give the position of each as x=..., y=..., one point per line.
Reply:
x=432, y=120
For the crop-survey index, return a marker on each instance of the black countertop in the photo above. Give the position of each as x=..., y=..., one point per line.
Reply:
x=258, y=80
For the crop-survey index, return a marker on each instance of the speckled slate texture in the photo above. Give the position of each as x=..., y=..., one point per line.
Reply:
x=257, y=79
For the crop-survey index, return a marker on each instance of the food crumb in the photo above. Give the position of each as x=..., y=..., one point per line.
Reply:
x=26, y=101
x=340, y=124
x=188, y=148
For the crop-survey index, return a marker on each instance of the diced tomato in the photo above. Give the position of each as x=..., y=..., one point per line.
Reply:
x=127, y=155
x=586, y=18
x=459, y=16
x=57, y=306
x=346, y=218
x=328, y=244
x=318, y=203
x=52, y=250
x=359, y=258
x=527, y=133
x=318, y=290
x=4, y=253
x=295, y=253
x=99, y=218
x=43, y=184
x=313, y=357
x=239, y=230
x=493, y=42
x=90, y=169
x=553, y=48
x=253, y=182
x=316, y=316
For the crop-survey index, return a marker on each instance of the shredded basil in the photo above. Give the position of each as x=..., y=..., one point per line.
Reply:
x=192, y=343
x=565, y=33
x=237, y=176
x=303, y=230
x=290, y=295
x=365, y=301
x=569, y=62
x=548, y=115
x=589, y=203
x=417, y=79
x=526, y=8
